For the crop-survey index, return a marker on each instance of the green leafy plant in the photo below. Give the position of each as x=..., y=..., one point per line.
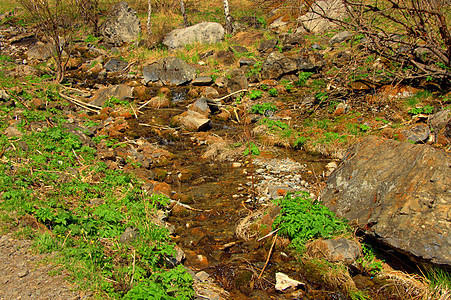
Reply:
x=369, y=262
x=381, y=120
x=330, y=137
x=174, y=284
x=255, y=69
x=302, y=219
x=115, y=101
x=262, y=21
x=302, y=78
x=300, y=142
x=428, y=109
x=273, y=92
x=86, y=234
x=5, y=58
x=364, y=127
x=263, y=108
x=252, y=149
x=415, y=99
x=288, y=87
x=90, y=39
x=274, y=124
x=321, y=96
x=323, y=124
x=255, y=94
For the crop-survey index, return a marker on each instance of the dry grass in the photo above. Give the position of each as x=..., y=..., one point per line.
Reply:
x=223, y=151
x=7, y=6
x=407, y=286
x=333, y=150
x=244, y=226
x=335, y=275
x=317, y=249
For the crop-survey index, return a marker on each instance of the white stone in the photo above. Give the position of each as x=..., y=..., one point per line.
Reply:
x=285, y=284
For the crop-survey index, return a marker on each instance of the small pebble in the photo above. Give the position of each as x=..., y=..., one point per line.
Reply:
x=23, y=273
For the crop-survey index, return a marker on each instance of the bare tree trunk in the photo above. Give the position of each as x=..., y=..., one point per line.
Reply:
x=149, y=17
x=182, y=8
x=228, y=17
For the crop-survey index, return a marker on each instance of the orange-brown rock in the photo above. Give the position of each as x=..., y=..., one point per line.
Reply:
x=398, y=193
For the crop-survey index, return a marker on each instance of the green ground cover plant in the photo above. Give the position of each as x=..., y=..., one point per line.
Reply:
x=302, y=219
x=82, y=208
x=439, y=279
x=417, y=98
x=251, y=149
x=273, y=92
x=274, y=125
x=263, y=108
x=330, y=137
x=284, y=134
x=255, y=69
x=115, y=101
x=254, y=95
x=427, y=109
x=302, y=78
x=369, y=263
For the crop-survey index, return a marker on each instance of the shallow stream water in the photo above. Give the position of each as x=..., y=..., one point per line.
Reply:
x=219, y=196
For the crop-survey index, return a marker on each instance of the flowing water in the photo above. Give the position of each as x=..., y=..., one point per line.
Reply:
x=218, y=200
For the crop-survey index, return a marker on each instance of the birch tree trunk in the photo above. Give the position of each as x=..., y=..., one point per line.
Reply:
x=182, y=8
x=149, y=17
x=228, y=17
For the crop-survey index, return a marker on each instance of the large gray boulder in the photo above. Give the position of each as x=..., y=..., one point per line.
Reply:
x=440, y=122
x=276, y=65
x=191, y=121
x=203, y=33
x=313, y=21
x=4, y=96
x=119, y=91
x=169, y=70
x=399, y=193
x=40, y=51
x=237, y=81
x=121, y=26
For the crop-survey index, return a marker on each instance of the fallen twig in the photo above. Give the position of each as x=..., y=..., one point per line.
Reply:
x=231, y=94
x=133, y=270
x=158, y=126
x=134, y=112
x=87, y=106
x=147, y=102
x=269, y=255
x=189, y=207
x=268, y=235
x=76, y=156
x=65, y=239
x=76, y=90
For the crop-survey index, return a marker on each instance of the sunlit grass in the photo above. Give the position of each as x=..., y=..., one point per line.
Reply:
x=7, y=6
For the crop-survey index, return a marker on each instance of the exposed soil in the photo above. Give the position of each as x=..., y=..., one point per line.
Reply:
x=27, y=275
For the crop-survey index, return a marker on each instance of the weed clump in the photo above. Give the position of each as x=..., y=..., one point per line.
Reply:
x=263, y=108
x=302, y=219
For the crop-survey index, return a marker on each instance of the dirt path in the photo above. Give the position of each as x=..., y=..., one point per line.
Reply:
x=24, y=274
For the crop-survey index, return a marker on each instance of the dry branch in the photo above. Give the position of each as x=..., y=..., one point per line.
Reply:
x=413, y=33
